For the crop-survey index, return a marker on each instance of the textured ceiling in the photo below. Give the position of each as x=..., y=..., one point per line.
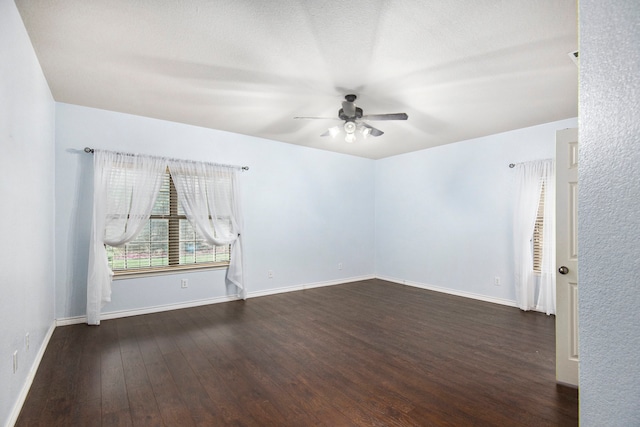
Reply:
x=459, y=69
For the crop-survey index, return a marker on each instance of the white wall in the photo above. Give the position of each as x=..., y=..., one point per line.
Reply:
x=305, y=210
x=609, y=213
x=444, y=215
x=26, y=217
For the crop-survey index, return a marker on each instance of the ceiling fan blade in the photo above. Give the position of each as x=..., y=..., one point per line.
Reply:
x=349, y=108
x=372, y=131
x=332, y=132
x=391, y=116
x=318, y=118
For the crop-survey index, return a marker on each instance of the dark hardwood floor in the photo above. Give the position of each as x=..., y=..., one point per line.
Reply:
x=369, y=353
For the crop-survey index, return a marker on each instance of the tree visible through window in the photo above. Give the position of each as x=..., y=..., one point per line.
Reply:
x=168, y=241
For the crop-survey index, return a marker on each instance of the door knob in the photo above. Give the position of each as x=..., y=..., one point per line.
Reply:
x=563, y=270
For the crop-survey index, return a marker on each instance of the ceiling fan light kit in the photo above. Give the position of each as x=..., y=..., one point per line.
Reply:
x=334, y=131
x=349, y=126
x=354, y=121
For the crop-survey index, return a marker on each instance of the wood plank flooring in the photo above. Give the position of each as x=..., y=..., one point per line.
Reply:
x=369, y=353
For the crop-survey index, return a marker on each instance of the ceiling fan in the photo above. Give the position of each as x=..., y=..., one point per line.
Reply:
x=354, y=120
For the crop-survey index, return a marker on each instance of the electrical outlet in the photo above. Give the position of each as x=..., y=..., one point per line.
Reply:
x=15, y=361
x=26, y=341
x=496, y=280
x=184, y=283
x=339, y=266
x=270, y=274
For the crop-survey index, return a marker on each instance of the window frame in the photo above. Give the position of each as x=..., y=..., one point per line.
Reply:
x=173, y=252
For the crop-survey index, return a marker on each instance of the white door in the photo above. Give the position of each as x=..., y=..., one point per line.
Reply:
x=567, y=256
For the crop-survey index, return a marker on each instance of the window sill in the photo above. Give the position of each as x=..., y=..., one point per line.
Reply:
x=167, y=271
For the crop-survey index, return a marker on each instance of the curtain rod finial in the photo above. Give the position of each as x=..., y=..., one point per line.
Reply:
x=88, y=150
x=512, y=165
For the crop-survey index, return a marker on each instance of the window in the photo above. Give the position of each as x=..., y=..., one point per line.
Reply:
x=167, y=242
x=538, y=230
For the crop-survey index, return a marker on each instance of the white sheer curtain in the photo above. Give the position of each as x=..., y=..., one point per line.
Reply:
x=125, y=189
x=533, y=291
x=546, y=301
x=210, y=197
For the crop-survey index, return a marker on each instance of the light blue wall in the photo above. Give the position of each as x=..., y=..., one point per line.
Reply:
x=609, y=213
x=305, y=210
x=444, y=215
x=26, y=217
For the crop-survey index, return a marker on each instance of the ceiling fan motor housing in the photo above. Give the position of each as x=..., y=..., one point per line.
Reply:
x=353, y=112
x=343, y=116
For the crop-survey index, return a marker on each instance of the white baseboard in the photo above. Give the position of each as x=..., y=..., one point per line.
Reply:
x=458, y=293
x=159, y=308
x=15, y=412
x=71, y=320
x=308, y=286
x=257, y=294
x=147, y=310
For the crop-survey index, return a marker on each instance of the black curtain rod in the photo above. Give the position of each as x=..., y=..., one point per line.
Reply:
x=244, y=168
